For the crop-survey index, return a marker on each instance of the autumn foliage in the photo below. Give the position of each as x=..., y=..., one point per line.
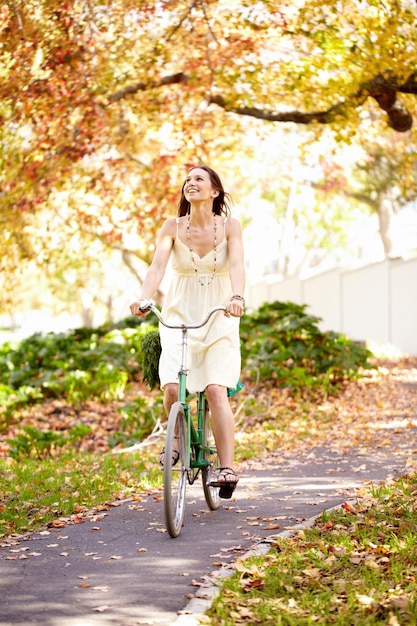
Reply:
x=125, y=94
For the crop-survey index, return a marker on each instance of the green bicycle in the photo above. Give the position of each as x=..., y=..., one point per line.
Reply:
x=193, y=439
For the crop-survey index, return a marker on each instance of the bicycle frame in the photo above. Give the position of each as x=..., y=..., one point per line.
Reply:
x=194, y=451
x=194, y=432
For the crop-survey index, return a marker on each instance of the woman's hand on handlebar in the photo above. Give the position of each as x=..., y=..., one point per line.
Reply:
x=136, y=308
x=236, y=307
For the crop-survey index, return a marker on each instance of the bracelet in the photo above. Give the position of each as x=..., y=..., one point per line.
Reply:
x=237, y=297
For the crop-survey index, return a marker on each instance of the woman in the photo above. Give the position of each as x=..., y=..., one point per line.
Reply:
x=205, y=246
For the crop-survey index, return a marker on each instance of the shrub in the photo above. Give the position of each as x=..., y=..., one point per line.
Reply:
x=138, y=421
x=40, y=444
x=76, y=365
x=282, y=344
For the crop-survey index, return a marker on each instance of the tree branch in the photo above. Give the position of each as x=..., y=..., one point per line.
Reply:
x=410, y=85
x=298, y=117
x=130, y=90
x=383, y=89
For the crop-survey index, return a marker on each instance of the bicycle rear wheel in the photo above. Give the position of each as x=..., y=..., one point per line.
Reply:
x=211, y=494
x=175, y=476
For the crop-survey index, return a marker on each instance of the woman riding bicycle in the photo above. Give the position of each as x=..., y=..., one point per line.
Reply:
x=206, y=251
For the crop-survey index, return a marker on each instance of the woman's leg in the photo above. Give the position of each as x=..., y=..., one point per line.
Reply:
x=223, y=424
x=170, y=396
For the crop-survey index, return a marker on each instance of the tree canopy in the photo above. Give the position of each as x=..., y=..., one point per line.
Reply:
x=105, y=103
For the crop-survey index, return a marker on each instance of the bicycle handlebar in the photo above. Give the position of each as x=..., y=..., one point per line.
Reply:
x=149, y=306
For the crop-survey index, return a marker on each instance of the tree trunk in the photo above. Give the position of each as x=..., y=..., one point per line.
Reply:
x=385, y=213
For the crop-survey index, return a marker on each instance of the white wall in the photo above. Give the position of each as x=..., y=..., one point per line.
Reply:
x=376, y=303
x=325, y=288
x=365, y=303
x=403, y=306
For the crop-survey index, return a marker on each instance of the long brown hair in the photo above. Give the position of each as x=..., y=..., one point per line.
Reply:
x=222, y=202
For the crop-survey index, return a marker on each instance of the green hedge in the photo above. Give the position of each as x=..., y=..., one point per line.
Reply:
x=77, y=365
x=281, y=344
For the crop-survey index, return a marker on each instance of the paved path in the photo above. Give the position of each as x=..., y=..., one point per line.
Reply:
x=121, y=568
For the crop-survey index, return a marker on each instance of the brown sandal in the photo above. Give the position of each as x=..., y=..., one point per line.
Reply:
x=175, y=455
x=222, y=479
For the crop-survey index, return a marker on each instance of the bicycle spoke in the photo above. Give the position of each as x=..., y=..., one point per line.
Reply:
x=175, y=476
x=211, y=494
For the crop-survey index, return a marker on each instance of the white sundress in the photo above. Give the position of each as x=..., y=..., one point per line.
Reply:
x=213, y=353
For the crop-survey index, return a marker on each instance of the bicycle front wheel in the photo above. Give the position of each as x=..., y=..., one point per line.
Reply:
x=175, y=475
x=211, y=494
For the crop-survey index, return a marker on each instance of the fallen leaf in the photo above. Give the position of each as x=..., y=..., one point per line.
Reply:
x=56, y=523
x=349, y=508
x=365, y=600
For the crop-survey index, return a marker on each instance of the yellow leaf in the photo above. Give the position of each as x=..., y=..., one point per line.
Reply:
x=365, y=600
x=312, y=572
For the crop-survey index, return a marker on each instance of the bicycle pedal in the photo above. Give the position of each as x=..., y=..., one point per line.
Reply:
x=226, y=492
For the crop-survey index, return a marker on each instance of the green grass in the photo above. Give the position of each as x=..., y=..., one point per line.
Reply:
x=37, y=493
x=357, y=565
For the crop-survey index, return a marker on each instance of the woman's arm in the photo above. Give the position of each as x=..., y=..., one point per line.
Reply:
x=158, y=266
x=236, y=267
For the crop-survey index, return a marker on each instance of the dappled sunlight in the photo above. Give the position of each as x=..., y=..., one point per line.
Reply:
x=321, y=483
x=395, y=424
x=377, y=412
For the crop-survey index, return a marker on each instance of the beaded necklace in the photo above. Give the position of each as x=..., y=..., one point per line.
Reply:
x=203, y=282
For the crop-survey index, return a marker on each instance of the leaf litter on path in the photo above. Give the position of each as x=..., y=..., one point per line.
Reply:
x=376, y=413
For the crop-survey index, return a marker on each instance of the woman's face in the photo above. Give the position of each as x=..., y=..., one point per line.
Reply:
x=197, y=186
